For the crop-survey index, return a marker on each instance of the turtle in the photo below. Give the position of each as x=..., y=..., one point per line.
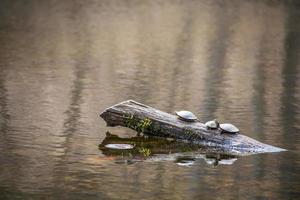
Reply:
x=186, y=116
x=214, y=124
x=228, y=128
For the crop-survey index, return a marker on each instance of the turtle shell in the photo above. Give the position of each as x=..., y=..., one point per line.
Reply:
x=186, y=115
x=229, y=128
x=212, y=124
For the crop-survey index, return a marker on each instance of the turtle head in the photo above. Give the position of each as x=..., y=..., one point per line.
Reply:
x=217, y=123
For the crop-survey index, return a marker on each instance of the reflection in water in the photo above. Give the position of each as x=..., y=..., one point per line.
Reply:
x=160, y=149
x=61, y=63
x=145, y=146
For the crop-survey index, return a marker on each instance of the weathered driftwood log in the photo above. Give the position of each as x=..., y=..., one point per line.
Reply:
x=151, y=121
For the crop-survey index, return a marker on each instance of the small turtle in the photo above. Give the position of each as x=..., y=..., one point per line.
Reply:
x=229, y=128
x=186, y=116
x=214, y=124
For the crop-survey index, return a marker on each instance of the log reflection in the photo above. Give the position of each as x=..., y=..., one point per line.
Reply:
x=162, y=149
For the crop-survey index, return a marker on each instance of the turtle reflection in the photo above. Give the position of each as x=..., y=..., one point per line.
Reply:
x=219, y=159
x=155, y=149
x=185, y=160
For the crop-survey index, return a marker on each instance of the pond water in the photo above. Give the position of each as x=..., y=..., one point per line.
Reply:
x=63, y=62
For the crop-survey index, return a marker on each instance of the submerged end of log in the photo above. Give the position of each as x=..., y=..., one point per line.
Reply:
x=151, y=121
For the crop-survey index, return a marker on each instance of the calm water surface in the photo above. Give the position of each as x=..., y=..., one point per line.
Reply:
x=63, y=62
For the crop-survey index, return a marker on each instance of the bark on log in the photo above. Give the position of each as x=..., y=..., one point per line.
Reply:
x=151, y=121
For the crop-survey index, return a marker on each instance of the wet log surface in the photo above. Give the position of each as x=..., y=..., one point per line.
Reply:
x=151, y=121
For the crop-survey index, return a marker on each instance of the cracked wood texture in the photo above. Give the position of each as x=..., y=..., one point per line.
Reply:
x=168, y=125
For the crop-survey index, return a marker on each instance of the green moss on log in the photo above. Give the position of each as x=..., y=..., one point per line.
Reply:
x=138, y=125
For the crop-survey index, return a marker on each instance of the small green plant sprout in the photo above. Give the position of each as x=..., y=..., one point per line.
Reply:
x=139, y=125
x=144, y=124
x=144, y=151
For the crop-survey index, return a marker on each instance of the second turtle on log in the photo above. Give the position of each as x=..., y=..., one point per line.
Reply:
x=214, y=124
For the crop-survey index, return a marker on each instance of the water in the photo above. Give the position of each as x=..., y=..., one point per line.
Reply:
x=63, y=62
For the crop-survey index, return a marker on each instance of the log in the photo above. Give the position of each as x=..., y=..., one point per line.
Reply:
x=150, y=121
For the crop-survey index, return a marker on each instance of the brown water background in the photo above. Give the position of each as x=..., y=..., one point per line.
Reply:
x=63, y=62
